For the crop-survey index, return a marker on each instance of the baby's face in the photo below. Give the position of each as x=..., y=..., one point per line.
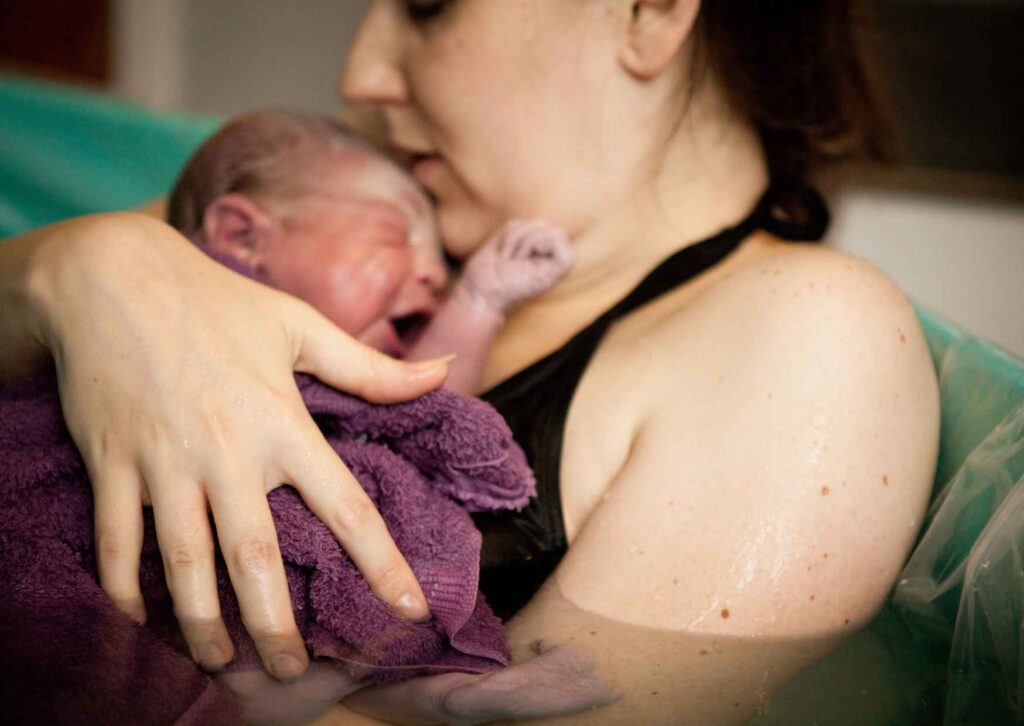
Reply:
x=364, y=251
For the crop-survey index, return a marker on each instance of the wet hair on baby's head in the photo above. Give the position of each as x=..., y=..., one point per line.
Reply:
x=277, y=155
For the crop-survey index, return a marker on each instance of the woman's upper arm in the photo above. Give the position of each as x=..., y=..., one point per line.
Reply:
x=156, y=208
x=772, y=493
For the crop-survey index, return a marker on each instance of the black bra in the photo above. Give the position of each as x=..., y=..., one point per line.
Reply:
x=520, y=549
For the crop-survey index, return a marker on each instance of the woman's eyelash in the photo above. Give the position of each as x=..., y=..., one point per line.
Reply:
x=424, y=10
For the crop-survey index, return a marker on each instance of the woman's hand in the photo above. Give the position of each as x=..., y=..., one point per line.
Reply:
x=176, y=380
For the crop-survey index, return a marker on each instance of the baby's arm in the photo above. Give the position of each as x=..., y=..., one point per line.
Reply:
x=522, y=260
x=560, y=680
x=265, y=701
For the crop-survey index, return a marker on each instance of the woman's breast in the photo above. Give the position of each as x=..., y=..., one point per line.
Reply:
x=600, y=428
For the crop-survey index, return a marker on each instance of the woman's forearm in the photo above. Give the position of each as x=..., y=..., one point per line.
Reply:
x=22, y=350
x=32, y=266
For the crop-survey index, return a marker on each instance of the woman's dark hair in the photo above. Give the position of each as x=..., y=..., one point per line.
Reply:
x=797, y=69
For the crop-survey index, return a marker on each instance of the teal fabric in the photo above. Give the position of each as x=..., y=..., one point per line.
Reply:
x=947, y=645
x=65, y=153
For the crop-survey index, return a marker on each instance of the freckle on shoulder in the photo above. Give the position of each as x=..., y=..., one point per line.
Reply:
x=822, y=276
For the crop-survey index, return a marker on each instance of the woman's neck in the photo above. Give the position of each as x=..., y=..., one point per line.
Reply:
x=713, y=173
x=710, y=177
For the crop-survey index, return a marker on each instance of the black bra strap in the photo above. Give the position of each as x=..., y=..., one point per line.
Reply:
x=788, y=211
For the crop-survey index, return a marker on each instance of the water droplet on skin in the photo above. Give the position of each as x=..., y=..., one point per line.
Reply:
x=184, y=443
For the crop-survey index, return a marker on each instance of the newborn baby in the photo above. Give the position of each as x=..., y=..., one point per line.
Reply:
x=299, y=203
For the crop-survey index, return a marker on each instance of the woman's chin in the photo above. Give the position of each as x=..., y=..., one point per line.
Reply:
x=464, y=231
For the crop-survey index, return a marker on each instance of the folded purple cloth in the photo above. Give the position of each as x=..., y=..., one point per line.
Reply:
x=425, y=464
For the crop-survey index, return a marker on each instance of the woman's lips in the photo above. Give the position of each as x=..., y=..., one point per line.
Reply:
x=423, y=165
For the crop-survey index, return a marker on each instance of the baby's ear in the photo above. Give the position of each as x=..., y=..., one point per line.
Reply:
x=236, y=226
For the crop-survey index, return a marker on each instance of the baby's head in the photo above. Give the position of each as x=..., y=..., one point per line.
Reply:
x=308, y=208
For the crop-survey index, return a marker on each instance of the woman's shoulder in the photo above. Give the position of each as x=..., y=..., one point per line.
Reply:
x=805, y=333
x=798, y=297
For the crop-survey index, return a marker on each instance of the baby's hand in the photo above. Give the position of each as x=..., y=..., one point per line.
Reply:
x=559, y=681
x=268, y=702
x=522, y=260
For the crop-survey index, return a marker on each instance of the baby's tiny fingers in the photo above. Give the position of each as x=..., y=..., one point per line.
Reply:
x=545, y=235
x=542, y=645
x=508, y=234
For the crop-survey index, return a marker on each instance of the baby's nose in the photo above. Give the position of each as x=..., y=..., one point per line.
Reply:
x=433, y=275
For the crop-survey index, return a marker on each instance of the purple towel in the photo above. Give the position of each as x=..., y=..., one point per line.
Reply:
x=425, y=464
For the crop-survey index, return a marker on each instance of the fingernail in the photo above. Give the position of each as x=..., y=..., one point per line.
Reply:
x=412, y=606
x=433, y=363
x=212, y=657
x=138, y=615
x=286, y=667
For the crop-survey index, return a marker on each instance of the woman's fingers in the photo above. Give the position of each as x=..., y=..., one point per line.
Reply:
x=186, y=546
x=338, y=359
x=118, y=527
x=337, y=499
x=248, y=542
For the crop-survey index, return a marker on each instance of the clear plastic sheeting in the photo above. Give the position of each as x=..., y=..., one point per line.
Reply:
x=947, y=645
x=964, y=580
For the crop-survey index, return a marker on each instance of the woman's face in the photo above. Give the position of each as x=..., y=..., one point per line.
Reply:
x=503, y=103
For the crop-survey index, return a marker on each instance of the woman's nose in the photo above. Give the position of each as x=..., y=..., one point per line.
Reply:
x=372, y=72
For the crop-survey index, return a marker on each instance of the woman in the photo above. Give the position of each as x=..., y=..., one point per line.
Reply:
x=749, y=449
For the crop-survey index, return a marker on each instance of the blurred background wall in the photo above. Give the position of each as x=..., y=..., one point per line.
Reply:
x=225, y=56
x=947, y=224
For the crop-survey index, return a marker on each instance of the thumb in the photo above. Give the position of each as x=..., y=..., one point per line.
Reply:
x=324, y=350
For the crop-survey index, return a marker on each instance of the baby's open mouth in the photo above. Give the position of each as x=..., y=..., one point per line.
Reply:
x=410, y=327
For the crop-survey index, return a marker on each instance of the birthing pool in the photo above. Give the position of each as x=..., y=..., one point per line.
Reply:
x=947, y=644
